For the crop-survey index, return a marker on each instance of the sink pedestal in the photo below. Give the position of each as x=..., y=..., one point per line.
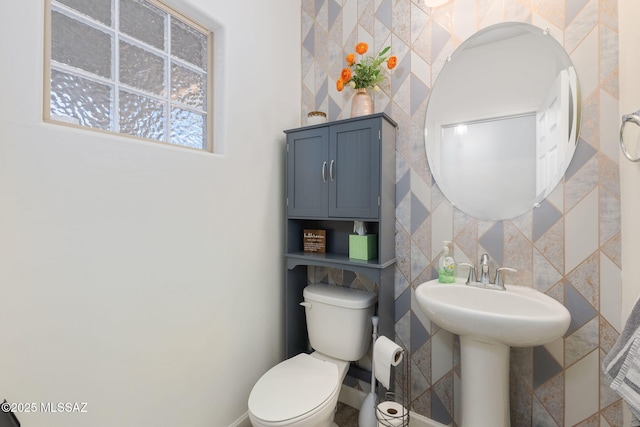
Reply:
x=485, y=383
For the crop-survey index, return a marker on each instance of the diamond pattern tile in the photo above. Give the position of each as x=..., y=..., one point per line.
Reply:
x=551, y=396
x=308, y=42
x=581, y=342
x=551, y=246
x=586, y=280
x=403, y=211
x=334, y=12
x=573, y=7
x=581, y=389
x=541, y=415
x=568, y=248
x=401, y=73
x=611, y=291
x=419, y=335
x=403, y=186
x=439, y=39
x=384, y=14
x=441, y=354
x=545, y=366
x=442, y=400
x=322, y=93
x=613, y=414
x=581, y=311
x=467, y=240
x=607, y=395
x=401, y=24
x=493, y=242
x=419, y=261
x=419, y=382
x=547, y=276
x=584, y=152
x=439, y=412
x=581, y=230
x=419, y=20
x=403, y=329
x=419, y=213
x=608, y=52
x=403, y=304
x=612, y=249
x=544, y=217
x=419, y=93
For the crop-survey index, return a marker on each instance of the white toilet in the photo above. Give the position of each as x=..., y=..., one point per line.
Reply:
x=303, y=391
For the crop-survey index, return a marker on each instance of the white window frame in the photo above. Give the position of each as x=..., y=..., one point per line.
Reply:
x=115, y=84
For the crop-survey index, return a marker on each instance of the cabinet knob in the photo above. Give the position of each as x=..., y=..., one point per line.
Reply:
x=324, y=171
x=333, y=162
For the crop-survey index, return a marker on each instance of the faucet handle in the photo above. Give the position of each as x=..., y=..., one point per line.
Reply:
x=499, y=281
x=472, y=271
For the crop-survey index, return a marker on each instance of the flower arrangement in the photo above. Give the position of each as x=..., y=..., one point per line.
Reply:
x=367, y=72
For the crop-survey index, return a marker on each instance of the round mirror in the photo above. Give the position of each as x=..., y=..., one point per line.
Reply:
x=502, y=121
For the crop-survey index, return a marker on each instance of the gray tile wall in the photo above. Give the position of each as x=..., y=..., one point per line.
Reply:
x=568, y=248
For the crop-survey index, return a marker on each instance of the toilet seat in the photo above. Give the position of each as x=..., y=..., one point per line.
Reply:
x=294, y=388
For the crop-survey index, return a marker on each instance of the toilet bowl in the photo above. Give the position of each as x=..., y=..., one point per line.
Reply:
x=299, y=392
x=303, y=391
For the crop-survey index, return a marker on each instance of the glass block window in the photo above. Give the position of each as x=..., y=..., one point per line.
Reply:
x=134, y=67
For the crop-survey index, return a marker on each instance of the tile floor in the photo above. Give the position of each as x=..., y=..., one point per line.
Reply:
x=346, y=416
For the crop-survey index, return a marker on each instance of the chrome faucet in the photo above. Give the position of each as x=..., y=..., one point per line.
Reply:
x=484, y=269
x=484, y=281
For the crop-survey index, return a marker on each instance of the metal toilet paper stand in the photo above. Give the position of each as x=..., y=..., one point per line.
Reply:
x=392, y=406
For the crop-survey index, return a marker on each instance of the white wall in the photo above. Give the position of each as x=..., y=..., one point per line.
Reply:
x=145, y=280
x=628, y=12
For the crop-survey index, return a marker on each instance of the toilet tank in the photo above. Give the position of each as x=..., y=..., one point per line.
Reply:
x=339, y=320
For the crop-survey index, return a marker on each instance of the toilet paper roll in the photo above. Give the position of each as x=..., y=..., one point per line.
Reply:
x=386, y=353
x=391, y=414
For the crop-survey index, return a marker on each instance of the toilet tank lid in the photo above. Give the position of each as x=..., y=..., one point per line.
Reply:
x=340, y=296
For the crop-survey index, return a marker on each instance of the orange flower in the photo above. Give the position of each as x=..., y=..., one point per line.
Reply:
x=339, y=85
x=392, y=62
x=351, y=59
x=345, y=75
x=362, y=48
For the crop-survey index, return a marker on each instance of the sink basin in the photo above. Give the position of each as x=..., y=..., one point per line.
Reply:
x=489, y=323
x=517, y=317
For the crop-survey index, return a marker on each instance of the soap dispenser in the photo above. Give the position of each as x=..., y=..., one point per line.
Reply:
x=446, y=266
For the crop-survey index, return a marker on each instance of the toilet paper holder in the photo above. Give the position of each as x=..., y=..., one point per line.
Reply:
x=392, y=406
x=393, y=411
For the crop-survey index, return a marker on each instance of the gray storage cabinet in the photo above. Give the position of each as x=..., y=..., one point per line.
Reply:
x=337, y=173
x=335, y=170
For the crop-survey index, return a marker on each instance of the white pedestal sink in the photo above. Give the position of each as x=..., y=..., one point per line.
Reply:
x=489, y=322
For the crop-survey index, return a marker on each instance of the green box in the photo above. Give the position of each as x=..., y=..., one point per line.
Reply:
x=363, y=247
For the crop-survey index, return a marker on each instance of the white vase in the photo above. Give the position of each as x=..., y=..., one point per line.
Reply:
x=361, y=103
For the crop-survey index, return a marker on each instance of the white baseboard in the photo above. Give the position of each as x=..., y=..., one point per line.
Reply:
x=416, y=420
x=354, y=398
x=351, y=396
x=243, y=421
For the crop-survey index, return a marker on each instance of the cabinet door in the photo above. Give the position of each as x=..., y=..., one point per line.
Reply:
x=308, y=173
x=354, y=169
